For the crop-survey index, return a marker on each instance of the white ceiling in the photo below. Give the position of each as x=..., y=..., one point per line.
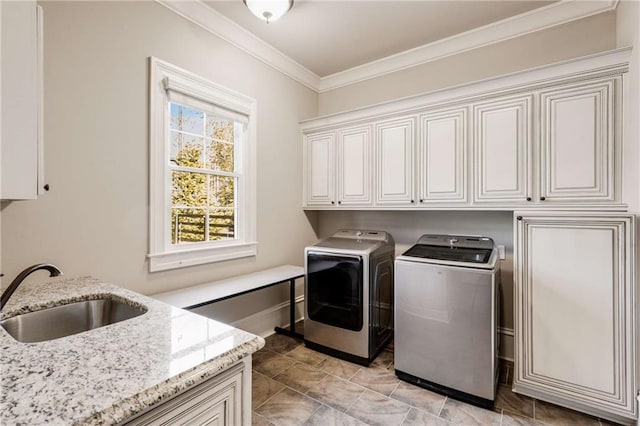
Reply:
x=328, y=36
x=326, y=44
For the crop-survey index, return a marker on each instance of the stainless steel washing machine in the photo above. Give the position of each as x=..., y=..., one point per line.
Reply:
x=447, y=316
x=349, y=294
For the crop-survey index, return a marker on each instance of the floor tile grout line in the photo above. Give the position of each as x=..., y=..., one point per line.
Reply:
x=265, y=401
x=442, y=406
x=354, y=403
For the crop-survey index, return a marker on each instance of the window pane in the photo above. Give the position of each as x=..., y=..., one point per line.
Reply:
x=221, y=191
x=187, y=150
x=188, y=225
x=219, y=128
x=221, y=224
x=220, y=156
x=186, y=119
x=189, y=189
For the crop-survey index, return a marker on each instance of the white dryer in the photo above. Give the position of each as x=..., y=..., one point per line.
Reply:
x=349, y=294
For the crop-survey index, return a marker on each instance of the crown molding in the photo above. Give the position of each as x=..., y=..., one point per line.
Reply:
x=213, y=21
x=539, y=19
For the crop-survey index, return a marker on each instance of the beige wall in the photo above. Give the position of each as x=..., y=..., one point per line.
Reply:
x=94, y=221
x=579, y=38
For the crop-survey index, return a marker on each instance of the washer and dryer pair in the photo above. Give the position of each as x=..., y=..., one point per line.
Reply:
x=443, y=297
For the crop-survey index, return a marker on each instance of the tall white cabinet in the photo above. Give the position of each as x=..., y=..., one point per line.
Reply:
x=575, y=320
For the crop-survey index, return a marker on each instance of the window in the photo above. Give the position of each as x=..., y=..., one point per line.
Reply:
x=202, y=170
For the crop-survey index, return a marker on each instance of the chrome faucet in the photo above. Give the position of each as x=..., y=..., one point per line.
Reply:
x=53, y=270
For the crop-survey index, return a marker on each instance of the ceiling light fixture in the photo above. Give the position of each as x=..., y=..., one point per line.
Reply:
x=269, y=10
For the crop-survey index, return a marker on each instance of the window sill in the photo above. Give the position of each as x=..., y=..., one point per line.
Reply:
x=200, y=255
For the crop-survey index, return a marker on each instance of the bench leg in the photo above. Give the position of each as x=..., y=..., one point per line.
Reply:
x=292, y=314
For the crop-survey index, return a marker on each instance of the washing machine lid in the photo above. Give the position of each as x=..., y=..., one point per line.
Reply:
x=455, y=250
x=355, y=240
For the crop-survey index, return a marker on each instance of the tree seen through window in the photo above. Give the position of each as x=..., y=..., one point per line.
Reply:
x=203, y=206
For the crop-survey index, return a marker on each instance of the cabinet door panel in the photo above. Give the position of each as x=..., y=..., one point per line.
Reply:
x=20, y=100
x=574, y=311
x=577, y=151
x=217, y=401
x=354, y=169
x=319, y=176
x=503, y=150
x=394, y=152
x=442, y=165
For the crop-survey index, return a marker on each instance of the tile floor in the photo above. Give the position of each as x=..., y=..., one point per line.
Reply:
x=294, y=385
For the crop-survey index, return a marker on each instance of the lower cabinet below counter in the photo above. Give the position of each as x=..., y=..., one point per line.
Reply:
x=575, y=311
x=221, y=400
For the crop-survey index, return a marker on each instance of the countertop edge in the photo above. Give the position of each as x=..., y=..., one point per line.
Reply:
x=165, y=391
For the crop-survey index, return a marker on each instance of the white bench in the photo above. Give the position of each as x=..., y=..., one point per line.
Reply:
x=205, y=294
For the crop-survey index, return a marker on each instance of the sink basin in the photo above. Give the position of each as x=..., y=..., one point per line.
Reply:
x=65, y=320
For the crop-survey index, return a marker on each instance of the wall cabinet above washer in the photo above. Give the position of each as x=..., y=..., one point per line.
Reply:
x=394, y=161
x=338, y=167
x=442, y=157
x=546, y=138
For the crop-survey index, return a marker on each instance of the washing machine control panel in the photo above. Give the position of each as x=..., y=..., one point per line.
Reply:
x=359, y=234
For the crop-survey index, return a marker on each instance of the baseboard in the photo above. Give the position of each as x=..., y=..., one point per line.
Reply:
x=262, y=323
x=506, y=343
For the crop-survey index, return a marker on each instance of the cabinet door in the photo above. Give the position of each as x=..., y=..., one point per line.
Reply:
x=20, y=100
x=218, y=401
x=319, y=169
x=502, y=151
x=442, y=157
x=574, y=311
x=578, y=153
x=394, y=161
x=354, y=166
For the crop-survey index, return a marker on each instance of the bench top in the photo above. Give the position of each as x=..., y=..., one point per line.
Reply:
x=203, y=294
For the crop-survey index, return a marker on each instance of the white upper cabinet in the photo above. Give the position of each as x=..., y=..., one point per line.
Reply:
x=548, y=137
x=442, y=151
x=502, y=150
x=338, y=167
x=394, y=161
x=320, y=165
x=354, y=166
x=579, y=156
x=21, y=100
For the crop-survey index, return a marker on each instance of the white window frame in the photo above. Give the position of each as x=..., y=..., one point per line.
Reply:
x=163, y=255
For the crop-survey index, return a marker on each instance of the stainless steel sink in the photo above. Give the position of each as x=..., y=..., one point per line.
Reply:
x=65, y=320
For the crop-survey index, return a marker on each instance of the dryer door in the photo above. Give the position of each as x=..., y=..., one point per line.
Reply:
x=334, y=289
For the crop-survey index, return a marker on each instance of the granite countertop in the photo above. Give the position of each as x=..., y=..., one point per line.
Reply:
x=106, y=375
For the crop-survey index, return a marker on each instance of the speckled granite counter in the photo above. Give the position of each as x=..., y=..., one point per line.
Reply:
x=106, y=375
